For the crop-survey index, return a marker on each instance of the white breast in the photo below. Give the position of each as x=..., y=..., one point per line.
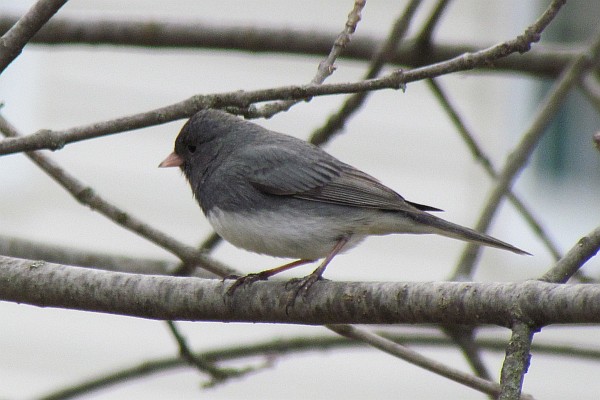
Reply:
x=294, y=236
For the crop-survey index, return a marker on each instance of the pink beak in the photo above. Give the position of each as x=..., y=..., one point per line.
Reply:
x=173, y=160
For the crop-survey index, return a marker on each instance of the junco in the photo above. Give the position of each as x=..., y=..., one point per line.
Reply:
x=274, y=194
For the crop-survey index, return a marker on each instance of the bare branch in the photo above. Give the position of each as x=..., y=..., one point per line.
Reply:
x=586, y=248
x=405, y=353
x=518, y=158
x=179, y=298
x=326, y=67
x=296, y=345
x=464, y=337
x=426, y=33
x=479, y=155
x=54, y=140
x=336, y=122
x=13, y=41
x=591, y=88
x=516, y=361
x=22, y=248
x=521, y=306
x=542, y=61
x=203, y=365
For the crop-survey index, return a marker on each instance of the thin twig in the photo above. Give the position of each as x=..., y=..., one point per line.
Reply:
x=586, y=248
x=336, y=122
x=217, y=374
x=518, y=158
x=326, y=67
x=13, y=41
x=289, y=346
x=424, y=36
x=405, y=353
x=480, y=156
x=210, y=242
x=206, y=247
x=464, y=337
x=54, y=140
x=24, y=248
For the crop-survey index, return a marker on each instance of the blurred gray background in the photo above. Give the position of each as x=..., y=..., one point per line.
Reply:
x=404, y=139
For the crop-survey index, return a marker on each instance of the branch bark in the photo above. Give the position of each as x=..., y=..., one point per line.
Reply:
x=516, y=361
x=177, y=298
x=13, y=40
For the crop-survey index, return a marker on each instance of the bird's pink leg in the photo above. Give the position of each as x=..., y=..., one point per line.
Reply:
x=317, y=273
x=264, y=275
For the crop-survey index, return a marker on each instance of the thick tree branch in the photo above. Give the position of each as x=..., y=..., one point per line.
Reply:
x=178, y=298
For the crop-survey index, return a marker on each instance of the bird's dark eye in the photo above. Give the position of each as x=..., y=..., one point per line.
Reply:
x=191, y=148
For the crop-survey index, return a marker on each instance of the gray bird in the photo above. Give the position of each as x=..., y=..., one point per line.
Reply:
x=274, y=194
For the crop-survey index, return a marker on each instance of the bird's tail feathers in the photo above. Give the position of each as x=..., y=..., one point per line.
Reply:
x=442, y=227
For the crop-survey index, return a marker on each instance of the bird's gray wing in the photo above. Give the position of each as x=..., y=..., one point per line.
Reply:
x=285, y=170
x=317, y=176
x=356, y=188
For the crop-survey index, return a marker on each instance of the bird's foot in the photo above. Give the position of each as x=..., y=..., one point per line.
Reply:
x=300, y=287
x=245, y=280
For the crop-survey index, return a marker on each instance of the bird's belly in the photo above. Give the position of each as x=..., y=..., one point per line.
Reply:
x=295, y=235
